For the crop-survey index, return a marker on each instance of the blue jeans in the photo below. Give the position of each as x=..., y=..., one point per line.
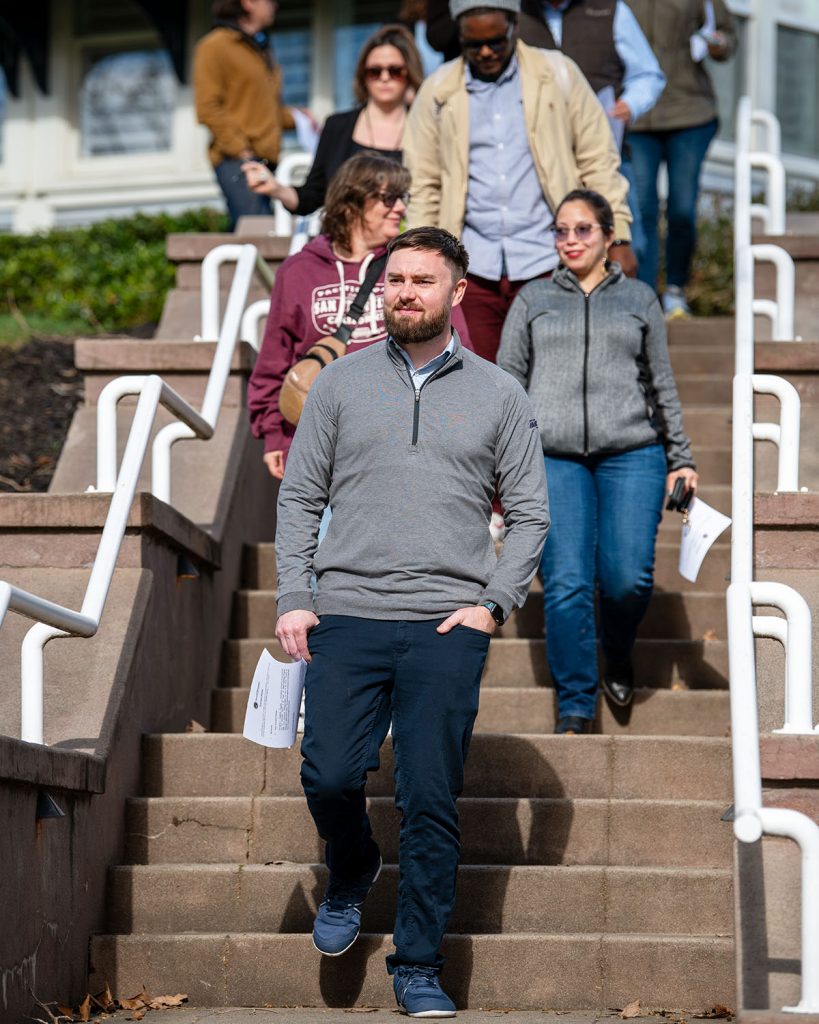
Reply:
x=240, y=200
x=605, y=511
x=365, y=673
x=638, y=235
x=683, y=151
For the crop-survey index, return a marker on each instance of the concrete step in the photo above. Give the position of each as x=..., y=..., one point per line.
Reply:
x=669, y=616
x=167, y=898
x=259, y=567
x=525, y=971
x=702, y=388
x=698, y=664
x=503, y=831
x=706, y=357
x=595, y=767
x=532, y=710
x=708, y=426
x=701, y=330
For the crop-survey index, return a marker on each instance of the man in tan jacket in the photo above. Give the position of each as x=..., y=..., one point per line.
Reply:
x=495, y=139
x=238, y=97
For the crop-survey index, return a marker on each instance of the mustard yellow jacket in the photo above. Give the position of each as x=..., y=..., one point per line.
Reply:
x=569, y=135
x=238, y=97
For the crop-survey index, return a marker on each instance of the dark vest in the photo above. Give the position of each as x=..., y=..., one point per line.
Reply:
x=588, y=38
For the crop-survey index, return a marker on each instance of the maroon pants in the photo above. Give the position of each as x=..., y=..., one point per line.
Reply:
x=485, y=305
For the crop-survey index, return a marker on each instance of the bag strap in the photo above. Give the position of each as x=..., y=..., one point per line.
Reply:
x=374, y=271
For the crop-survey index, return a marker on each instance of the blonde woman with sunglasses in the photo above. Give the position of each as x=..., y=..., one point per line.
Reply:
x=589, y=346
x=387, y=76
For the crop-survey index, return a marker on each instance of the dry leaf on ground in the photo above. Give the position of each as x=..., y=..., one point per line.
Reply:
x=85, y=1008
x=164, y=1002
x=718, y=1012
x=361, y=1009
x=137, y=1015
x=65, y=1011
x=709, y=634
x=194, y=726
x=631, y=1009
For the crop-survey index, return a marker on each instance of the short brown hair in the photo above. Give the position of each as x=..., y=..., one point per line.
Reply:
x=358, y=179
x=434, y=240
x=389, y=35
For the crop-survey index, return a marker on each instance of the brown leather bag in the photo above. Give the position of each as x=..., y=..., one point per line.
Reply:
x=301, y=375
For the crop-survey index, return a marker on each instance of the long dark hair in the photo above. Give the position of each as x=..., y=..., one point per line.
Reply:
x=389, y=35
x=358, y=179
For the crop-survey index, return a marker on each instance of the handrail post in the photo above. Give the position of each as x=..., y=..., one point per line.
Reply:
x=786, y=435
x=783, y=323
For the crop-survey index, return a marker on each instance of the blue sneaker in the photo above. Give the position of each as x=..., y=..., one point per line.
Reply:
x=419, y=994
x=338, y=920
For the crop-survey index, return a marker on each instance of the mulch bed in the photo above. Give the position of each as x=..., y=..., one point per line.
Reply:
x=39, y=390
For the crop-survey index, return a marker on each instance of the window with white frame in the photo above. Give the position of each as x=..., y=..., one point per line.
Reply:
x=127, y=89
x=797, y=81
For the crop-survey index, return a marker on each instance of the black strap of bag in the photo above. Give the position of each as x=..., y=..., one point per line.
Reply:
x=360, y=301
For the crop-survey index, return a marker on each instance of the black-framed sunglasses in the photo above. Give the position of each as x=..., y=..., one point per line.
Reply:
x=389, y=199
x=396, y=72
x=496, y=44
x=583, y=232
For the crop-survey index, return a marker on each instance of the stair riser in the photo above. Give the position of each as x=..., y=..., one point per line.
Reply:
x=522, y=662
x=702, y=389
x=717, y=360
x=596, y=767
x=269, y=830
x=700, y=331
x=670, y=615
x=528, y=972
x=490, y=900
x=508, y=710
x=260, y=571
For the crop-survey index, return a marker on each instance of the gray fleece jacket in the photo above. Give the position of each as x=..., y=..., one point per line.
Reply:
x=595, y=367
x=410, y=477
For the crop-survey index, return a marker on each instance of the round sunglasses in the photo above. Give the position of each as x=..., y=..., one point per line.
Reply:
x=389, y=199
x=394, y=71
x=583, y=232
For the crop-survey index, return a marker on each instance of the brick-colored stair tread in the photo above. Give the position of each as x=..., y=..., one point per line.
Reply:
x=619, y=767
x=260, y=830
x=526, y=971
x=283, y=897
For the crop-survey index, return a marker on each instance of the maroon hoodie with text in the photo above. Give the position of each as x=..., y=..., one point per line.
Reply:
x=311, y=295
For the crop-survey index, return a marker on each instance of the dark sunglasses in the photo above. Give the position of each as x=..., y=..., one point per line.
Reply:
x=389, y=199
x=581, y=231
x=497, y=44
x=395, y=71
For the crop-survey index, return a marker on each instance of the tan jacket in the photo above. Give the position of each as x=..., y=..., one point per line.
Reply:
x=688, y=98
x=238, y=97
x=569, y=135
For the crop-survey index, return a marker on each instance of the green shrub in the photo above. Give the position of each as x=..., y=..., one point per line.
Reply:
x=110, y=276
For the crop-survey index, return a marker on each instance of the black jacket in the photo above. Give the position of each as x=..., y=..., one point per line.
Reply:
x=335, y=145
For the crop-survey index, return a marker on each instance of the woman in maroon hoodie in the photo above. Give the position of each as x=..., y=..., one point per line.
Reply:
x=365, y=204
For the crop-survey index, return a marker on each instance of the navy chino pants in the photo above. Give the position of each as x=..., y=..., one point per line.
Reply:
x=364, y=675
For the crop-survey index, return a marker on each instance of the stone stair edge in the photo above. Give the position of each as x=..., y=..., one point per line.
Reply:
x=716, y=741
x=127, y=355
x=89, y=511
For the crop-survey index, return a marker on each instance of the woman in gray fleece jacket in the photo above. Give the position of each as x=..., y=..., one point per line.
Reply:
x=589, y=346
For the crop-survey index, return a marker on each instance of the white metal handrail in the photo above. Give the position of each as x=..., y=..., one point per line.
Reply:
x=785, y=434
x=210, y=285
x=751, y=819
x=52, y=619
x=780, y=311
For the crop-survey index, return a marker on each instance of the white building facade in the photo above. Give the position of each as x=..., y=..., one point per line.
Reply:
x=96, y=107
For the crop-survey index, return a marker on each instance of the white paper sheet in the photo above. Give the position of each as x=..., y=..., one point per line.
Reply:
x=699, y=41
x=272, y=714
x=704, y=525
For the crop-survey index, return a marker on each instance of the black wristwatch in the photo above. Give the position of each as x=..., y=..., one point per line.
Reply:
x=494, y=610
x=619, y=241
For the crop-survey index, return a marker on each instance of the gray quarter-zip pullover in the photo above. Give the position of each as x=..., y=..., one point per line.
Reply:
x=595, y=366
x=410, y=476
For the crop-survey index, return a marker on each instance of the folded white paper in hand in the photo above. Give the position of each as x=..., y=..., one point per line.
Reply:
x=272, y=715
x=699, y=41
x=704, y=525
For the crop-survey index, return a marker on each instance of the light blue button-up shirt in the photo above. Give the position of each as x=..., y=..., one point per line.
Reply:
x=506, y=226
x=419, y=374
x=643, y=81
